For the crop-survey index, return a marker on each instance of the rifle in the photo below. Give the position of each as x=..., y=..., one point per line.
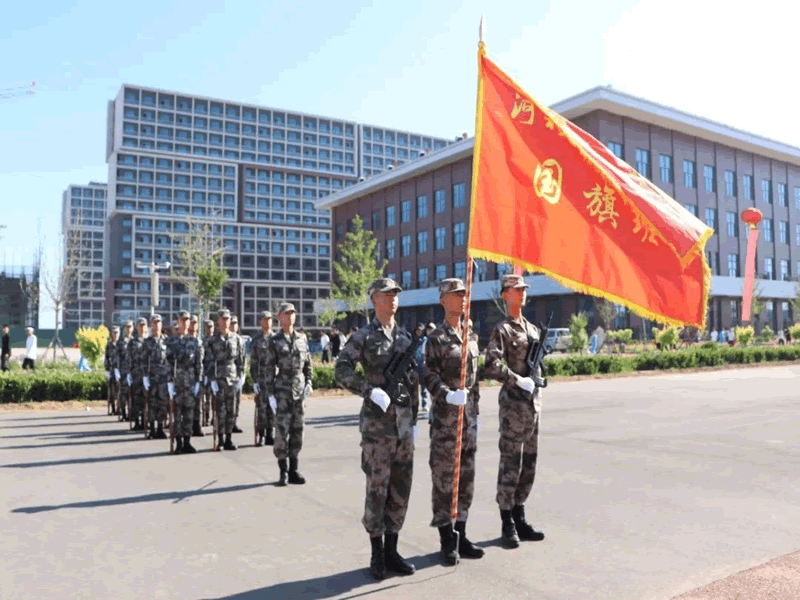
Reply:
x=110, y=401
x=172, y=424
x=256, y=430
x=536, y=354
x=146, y=422
x=131, y=420
x=399, y=367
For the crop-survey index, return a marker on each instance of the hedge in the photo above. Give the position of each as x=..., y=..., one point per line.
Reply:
x=68, y=384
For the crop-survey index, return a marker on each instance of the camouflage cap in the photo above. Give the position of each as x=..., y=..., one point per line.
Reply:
x=115, y=329
x=141, y=321
x=128, y=323
x=184, y=314
x=195, y=319
x=448, y=286
x=234, y=319
x=383, y=284
x=514, y=281
x=265, y=314
x=210, y=323
x=224, y=314
x=286, y=307
x=155, y=318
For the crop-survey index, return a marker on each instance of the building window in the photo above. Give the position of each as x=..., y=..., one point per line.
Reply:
x=422, y=207
x=766, y=190
x=422, y=242
x=339, y=230
x=733, y=265
x=797, y=198
x=405, y=245
x=730, y=183
x=616, y=149
x=643, y=162
x=689, y=175
x=783, y=200
x=784, y=270
x=391, y=249
x=441, y=237
x=460, y=270
x=713, y=262
x=783, y=231
x=376, y=220
x=747, y=184
x=710, y=178
x=797, y=234
x=767, y=230
x=405, y=211
x=439, y=201
x=711, y=218
x=459, y=234
x=422, y=277
x=769, y=268
x=459, y=195
x=392, y=276
x=406, y=280
x=391, y=216
x=692, y=208
x=733, y=224
x=665, y=166
x=441, y=273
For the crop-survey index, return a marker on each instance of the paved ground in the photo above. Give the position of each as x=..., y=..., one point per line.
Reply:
x=647, y=488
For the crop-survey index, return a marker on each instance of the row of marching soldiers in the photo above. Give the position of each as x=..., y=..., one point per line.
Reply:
x=158, y=381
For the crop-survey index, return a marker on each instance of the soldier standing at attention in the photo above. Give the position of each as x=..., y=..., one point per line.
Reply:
x=206, y=384
x=156, y=377
x=238, y=390
x=194, y=331
x=186, y=356
x=136, y=373
x=287, y=383
x=519, y=414
x=111, y=363
x=124, y=369
x=225, y=371
x=443, y=379
x=387, y=426
x=266, y=418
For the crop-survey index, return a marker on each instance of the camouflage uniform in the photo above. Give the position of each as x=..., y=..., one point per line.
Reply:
x=266, y=420
x=186, y=356
x=206, y=368
x=237, y=393
x=225, y=365
x=443, y=375
x=287, y=370
x=111, y=362
x=155, y=366
x=124, y=370
x=137, y=388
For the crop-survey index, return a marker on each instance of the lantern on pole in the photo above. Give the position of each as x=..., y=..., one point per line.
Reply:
x=751, y=216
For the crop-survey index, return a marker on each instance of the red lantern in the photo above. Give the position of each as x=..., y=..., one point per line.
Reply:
x=751, y=216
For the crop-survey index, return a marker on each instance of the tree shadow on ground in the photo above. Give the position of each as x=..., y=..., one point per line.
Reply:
x=66, y=435
x=59, y=444
x=341, y=421
x=71, y=424
x=45, y=418
x=348, y=582
x=85, y=460
x=177, y=496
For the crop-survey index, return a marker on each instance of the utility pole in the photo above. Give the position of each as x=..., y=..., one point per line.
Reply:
x=154, y=269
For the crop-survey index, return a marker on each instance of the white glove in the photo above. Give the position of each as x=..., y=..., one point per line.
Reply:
x=130, y=381
x=307, y=391
x=108, y=375
x=117, y=375
x=273, y=404
x=526, y=383
x=214, y=387
x=416, y=433
x=196, y=388
x=381, y=398
x=239, y=384
x=457, y=397
x=206, y=380
x=146, y=382
x=255, y=388
x=171, y=390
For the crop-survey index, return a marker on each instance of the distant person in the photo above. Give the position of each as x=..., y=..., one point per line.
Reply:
x=5, y=353
x=336, y=343
x=324, y=342
x=30, y=350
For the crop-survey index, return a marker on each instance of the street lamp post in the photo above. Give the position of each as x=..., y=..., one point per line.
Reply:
x=154, y=269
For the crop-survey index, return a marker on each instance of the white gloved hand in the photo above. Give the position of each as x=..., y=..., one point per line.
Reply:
x=214, y=387
x=108, y=375
x=240, y=384
x=381, y=398
x=307, y=391
x=256, y=388
x=171, y=390
x=273, y=404
x=117, y=375
x=206, y=380
x=130, y=381
x=416, y=433
x=526, y=383
x=146, y=382
x=196, y=388
x=457, y=397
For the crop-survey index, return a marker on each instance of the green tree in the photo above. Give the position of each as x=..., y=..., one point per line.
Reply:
x=607, y=311
x=199, y=265
x=577, y=328
x=356, y=267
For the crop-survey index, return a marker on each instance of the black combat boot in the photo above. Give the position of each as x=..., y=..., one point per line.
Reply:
x=284, y=472
x=236, y=428
x=466, y=548
x=395, y=562
x=294, y=475
x=220, y=442
x=160, y=435
x=197, y=430
x=138, y=425
x=152, y=430
x=524, y=529
x=178, y=445
x=377, y=564
x=269, y=440
x=509, y=532
x=229, y=445
x=447, y=538
x=187, y=445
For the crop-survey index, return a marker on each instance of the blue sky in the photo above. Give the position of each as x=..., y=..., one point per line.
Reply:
x=409, y=65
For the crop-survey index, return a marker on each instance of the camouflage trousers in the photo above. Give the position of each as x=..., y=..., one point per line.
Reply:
x=159, y=402
x=184, y=411
x=198, y=409
x=442, y=459
x=519, y=446
x=388, y=463
x=137, y=399
x=266, y=418
x=113, y=388
x=289, y=422
x=237, y=394
x=226, y=406
x=123, y=396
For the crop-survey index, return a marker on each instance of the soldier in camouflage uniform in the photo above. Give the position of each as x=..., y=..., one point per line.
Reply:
x=186, y=358
x=287, y=383
x=124, y=369
x=157, y=377
x=443, y=379
x=225, y=373
x=137, y=389
x=206, y=384
x=519, y=414
x=194, y=331
x=111, y=363
x=387, y=426
x=238, y=390
x=266, y=418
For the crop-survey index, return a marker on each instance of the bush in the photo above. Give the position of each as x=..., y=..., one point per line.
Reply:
x=767, y=334
x=794, y=332
x=577, y=327
x=744, y=335
x=92, y=343
x=667, y=338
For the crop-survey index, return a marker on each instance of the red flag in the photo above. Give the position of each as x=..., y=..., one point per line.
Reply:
x=549, y=197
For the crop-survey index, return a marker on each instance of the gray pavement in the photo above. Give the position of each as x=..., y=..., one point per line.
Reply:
x=647, y=488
